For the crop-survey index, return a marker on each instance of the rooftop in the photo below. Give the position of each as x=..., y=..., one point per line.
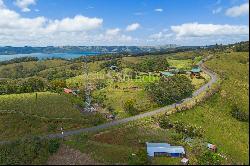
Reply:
x=164, y=147
x=168, y=74
x=196, y=70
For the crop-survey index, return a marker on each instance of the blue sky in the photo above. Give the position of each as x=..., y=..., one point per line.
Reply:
x=122, y=22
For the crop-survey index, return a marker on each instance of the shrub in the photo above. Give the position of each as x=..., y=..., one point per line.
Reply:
x=130, y=108
x=140, y=158
x=29, y=151
x=238, y=114
x=180, y=127
x=209, y=158
x=53, y=145
x=165, y=123
x=97, y=119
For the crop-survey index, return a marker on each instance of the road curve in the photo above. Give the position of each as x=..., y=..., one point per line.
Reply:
x=147, y=114
x=140, y=116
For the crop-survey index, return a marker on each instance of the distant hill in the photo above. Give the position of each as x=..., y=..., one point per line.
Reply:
x=8, y=50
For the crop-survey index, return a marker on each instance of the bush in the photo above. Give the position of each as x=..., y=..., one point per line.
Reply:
x=130, y=108
x=97, y=119
x=23, y=152
x=209, y=158
x=165, y=123
x=238, y=114
x=140, y=158
x=180, y=127
x=54, y=145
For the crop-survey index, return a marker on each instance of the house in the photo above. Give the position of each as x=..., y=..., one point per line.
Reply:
x=164, y=149
x=166, y=74
x=66, y=90
x=195, y=72
x=212, y=147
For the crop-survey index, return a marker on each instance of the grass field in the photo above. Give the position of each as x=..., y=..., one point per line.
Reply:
x=230, y=135
x=23, y=115
x=119, y=92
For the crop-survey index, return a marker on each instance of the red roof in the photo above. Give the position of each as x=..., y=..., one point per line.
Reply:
x=67, y=90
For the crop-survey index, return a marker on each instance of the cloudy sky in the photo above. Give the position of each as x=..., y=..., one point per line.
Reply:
x=122, y=22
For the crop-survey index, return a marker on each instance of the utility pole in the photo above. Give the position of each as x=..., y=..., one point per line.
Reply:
x=87, y=101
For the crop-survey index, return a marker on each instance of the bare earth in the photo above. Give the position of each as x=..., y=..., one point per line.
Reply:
x=68, y=156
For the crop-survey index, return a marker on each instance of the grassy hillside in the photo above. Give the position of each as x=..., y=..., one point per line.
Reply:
x=116, y=145
x=23, y=115
x=230, y=135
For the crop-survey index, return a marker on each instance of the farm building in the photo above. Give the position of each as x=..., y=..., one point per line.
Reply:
x=195, y=72
x=66, y=90
x=166, y=74
x=164, y=149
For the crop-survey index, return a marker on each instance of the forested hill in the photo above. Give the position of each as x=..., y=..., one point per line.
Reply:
x=8, y=50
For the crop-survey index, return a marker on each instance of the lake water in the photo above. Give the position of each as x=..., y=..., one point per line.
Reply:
x=44, y=56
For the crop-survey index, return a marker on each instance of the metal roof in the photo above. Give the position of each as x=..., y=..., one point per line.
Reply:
x=164, y=147
x=196, y=70
x=167, y=73
x=157, y=144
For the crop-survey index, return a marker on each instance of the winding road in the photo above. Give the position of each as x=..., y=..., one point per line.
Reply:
x=147, y=114
x=140, y=116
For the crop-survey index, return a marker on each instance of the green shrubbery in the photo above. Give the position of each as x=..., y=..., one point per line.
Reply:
x=180, y=127
x=33, y=84
x=53, y=146
x=140, y=158
x=209, y=158
x=129, y=107
x=152, y=64
x=28, y=151
x=170, y=90
x=238, y=114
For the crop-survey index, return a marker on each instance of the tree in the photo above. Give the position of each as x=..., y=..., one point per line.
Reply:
x=170, y=90
x=57, y=85
x=152, y=64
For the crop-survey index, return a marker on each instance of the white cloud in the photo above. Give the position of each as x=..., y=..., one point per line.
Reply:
x=17, y=30
x=161, y=35
x=2, y=4
x=133, y=27
x=237, y=11
x=112, y=32
x=24, y=4
x=201, y=30
x=216, y=11
x=78, y=23
x=159, y=10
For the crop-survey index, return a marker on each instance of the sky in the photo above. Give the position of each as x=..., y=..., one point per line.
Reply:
x=122, y=22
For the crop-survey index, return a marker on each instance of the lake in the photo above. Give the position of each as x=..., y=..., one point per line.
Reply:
x=44, y=56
